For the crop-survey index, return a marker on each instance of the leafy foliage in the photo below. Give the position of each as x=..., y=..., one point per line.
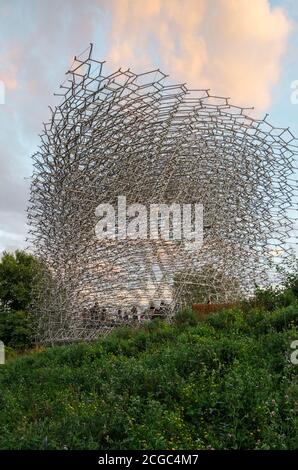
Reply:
x=17, y=278
x=16, y=329
x=291, y=280
x=225, y=383
x=17, y=274
x=276, y=297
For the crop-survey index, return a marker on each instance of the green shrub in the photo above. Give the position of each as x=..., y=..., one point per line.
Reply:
x=226, y=383
x=291, y=281
x=16, y=329
x=227, y=319
x=18, y=276
x=273, y=297
x=186, y=317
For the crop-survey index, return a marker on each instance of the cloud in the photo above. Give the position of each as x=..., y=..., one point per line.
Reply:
x=233, y=47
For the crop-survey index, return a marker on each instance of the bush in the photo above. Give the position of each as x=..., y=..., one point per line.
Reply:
x=225, y=383
x=270, y=298
x=291, y=281
x=16, y=329
x=186, y=317
x=18, y=276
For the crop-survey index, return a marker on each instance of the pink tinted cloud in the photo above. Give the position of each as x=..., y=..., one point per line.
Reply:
x=10, y=67
x=234, y=47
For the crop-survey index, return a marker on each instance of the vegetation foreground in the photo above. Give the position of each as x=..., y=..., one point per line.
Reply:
x=223, y=383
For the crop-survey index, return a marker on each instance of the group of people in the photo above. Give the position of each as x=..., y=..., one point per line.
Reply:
x=98, y=316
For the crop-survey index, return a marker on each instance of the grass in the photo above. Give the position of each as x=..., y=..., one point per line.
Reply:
x=224, y=383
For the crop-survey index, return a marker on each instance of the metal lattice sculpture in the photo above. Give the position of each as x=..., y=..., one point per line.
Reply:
x=138, y=136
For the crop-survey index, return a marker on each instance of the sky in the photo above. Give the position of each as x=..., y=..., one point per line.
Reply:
x=244, y=49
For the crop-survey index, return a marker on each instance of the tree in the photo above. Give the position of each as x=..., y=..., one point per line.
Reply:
x=17, y=277
x=291, y=279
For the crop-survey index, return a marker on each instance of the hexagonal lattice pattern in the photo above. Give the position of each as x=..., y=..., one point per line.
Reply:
x=140, y=136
